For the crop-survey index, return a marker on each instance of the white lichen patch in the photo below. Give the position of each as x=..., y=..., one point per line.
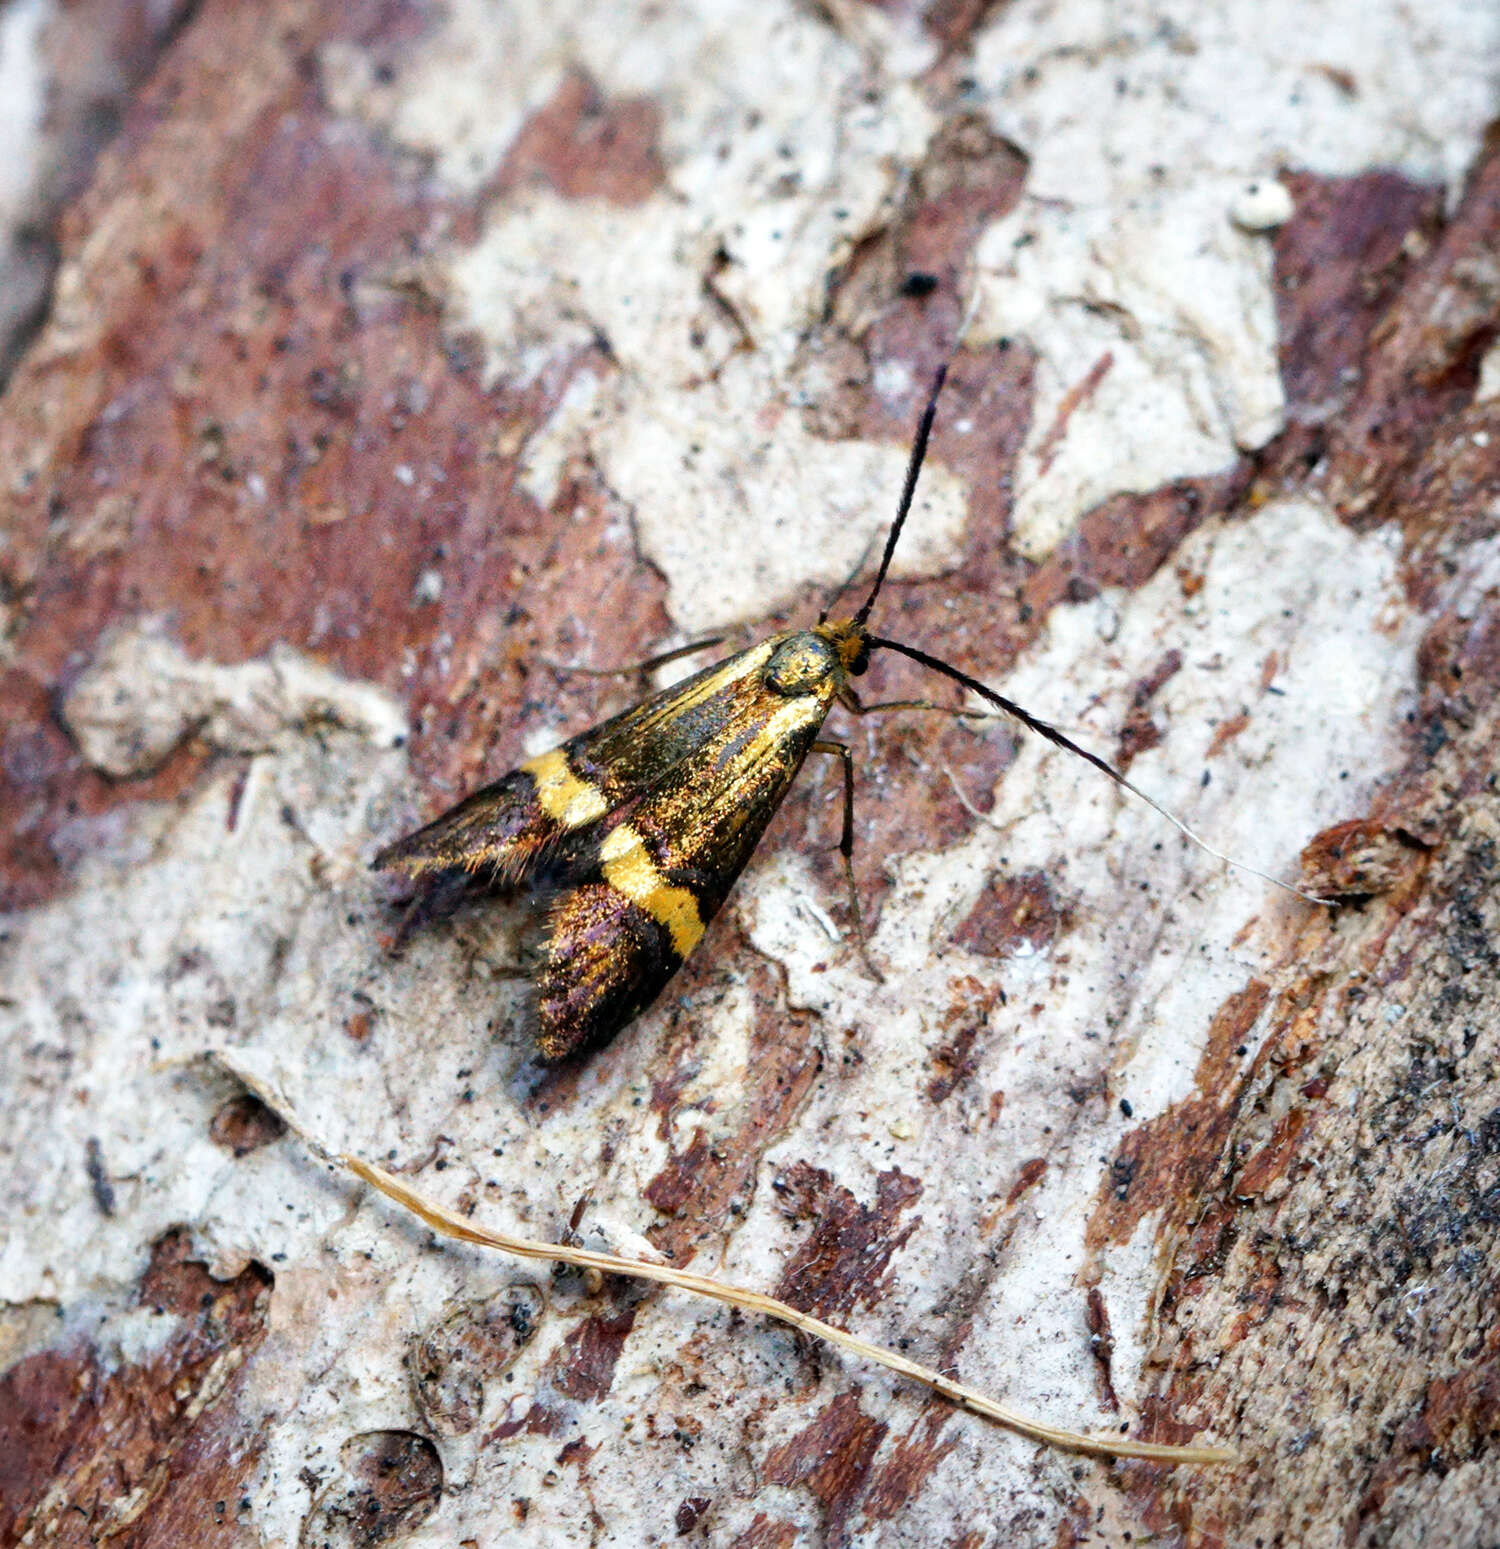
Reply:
x=1124, y=266
x=142, y=696
x=737, y=518
x=766, y=191
x=1137, y=264
x=1156, y=345
x=1489, y=376
x=764, y=197
x=23, y=101
x=27, y=162
x=135, y=1336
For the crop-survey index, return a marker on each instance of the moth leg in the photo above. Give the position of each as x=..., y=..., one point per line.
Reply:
x=846, y=849
x=439, y=898
x=651, y=662
x=853, y=703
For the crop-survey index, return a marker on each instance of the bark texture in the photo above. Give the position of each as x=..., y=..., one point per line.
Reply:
x=401, y=355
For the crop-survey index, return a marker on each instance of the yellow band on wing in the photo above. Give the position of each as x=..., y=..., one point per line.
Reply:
x=561, y=794
x=631, y=871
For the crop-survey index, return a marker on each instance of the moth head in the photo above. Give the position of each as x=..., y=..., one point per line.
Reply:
x=850, y=642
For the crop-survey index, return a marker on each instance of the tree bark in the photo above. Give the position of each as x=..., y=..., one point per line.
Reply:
x=400, y=361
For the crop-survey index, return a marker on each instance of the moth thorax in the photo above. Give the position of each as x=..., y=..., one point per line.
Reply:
x=804, y=663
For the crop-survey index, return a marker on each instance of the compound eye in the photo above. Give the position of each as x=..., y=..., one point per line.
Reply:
x=861, y=660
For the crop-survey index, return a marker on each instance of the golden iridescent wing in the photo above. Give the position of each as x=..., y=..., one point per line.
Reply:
x=502, y=833
x=643, y=823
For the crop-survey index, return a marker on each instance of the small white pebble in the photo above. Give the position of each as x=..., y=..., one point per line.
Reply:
x=429, y=588
x=1261, y=205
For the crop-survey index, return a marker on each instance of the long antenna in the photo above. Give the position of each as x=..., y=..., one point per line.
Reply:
x=913, y=468
x=1061, y=740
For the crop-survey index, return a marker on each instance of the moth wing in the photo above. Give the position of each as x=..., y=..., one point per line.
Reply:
x=663, y=870
x=502, y=834
x=497, y=834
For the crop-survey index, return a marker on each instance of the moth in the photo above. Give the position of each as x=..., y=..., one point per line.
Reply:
x=642, y=824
